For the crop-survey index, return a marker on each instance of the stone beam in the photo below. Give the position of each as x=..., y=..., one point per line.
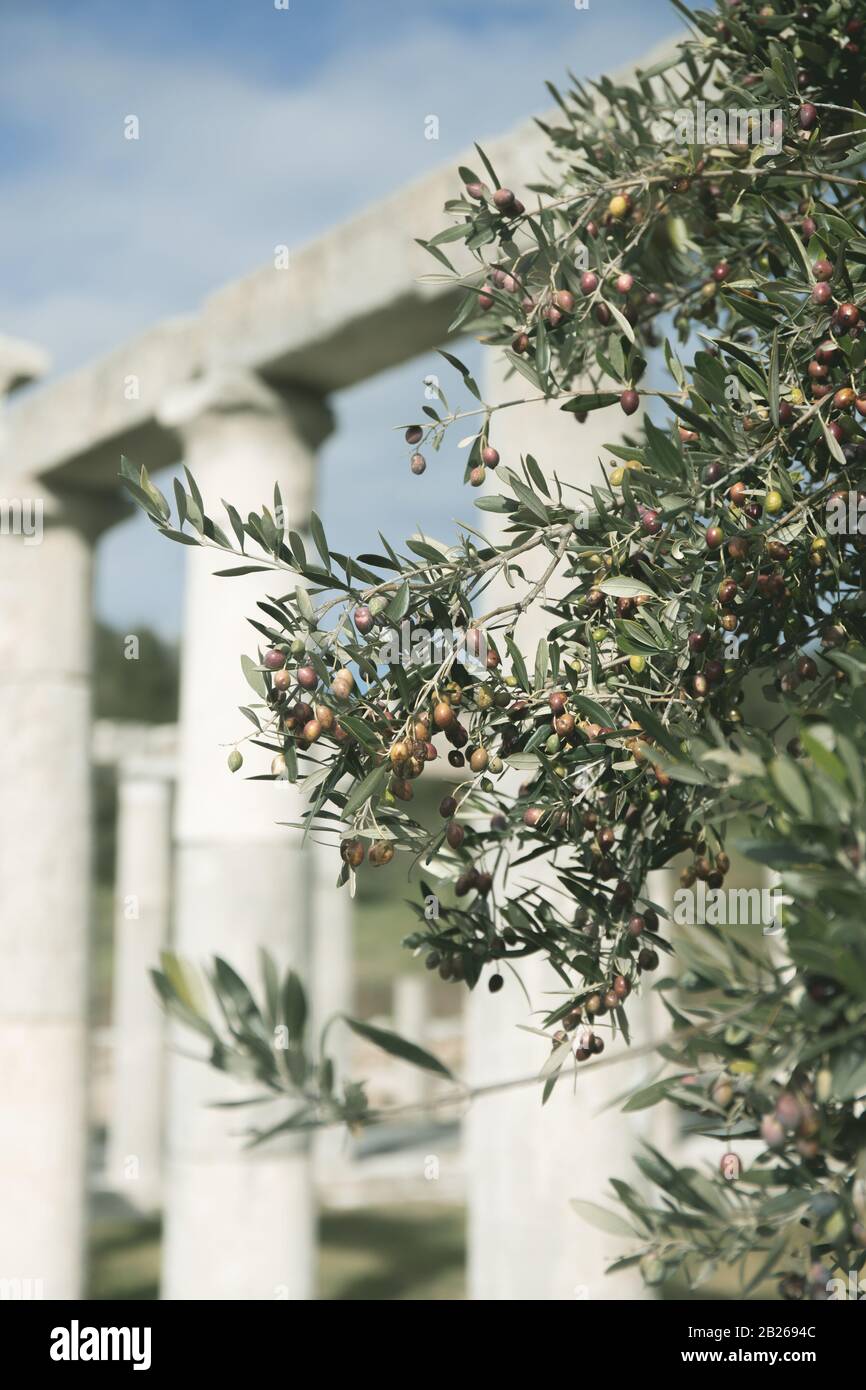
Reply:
x=348, y=306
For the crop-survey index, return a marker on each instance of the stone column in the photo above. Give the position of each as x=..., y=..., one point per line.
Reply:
x=45, y=660
x=239, y=1222
x=411, y=1019
x=524, y=1162
x=141, y=931
x=332, y=983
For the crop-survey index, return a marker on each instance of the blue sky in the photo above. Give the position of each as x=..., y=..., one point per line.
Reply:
x=258, y=126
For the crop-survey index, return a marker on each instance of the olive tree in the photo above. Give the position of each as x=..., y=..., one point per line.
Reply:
x=701, y=685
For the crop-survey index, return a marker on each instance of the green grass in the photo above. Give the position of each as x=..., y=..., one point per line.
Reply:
x=416, y=1251
x=412, y=1252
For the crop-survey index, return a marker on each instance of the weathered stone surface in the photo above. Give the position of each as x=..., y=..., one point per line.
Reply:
x=239, y=1222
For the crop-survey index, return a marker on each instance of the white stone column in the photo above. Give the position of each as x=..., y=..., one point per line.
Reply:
x=45, y=657
x=333, y=985
x=411, y=1010
x=141, y=930
x=524, y=1162
x=239, y=1222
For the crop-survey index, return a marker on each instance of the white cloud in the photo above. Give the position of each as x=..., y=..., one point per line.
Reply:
x=104, y=235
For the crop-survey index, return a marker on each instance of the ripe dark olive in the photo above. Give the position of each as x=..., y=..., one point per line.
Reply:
x=714, y=537
x=786, y=412
x=821, y=293
x=602, y=315
x=443, y=715
x=650, y=520
x=489, y=456
x=495, y=983
x=447, y=807
x=382, y=852
x=564, y=300
x=629, y=401
x=455, y=834
x=807, y=116
x=503, y=198
x=808, y=228
x=648, y=959
x=806, y=668
x=727, y=590
x=737, y=494
x=274, y=659
x=712, y=472
x=622, y=893
x=363, y=618
x=721, y=271
x=532, y=816
x=588, y=282
x=352, y=852
x=823, y=270
x=636, y=924
x=651, y=919
x=464, y=883
x=414, y=434
x=456, y=758
x=557, y=701
x=847, y=315
x=306, y=677
x=621, y=987
x=597, y=1044
x=418, y=464
x=698, y=641
x=606, y=837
